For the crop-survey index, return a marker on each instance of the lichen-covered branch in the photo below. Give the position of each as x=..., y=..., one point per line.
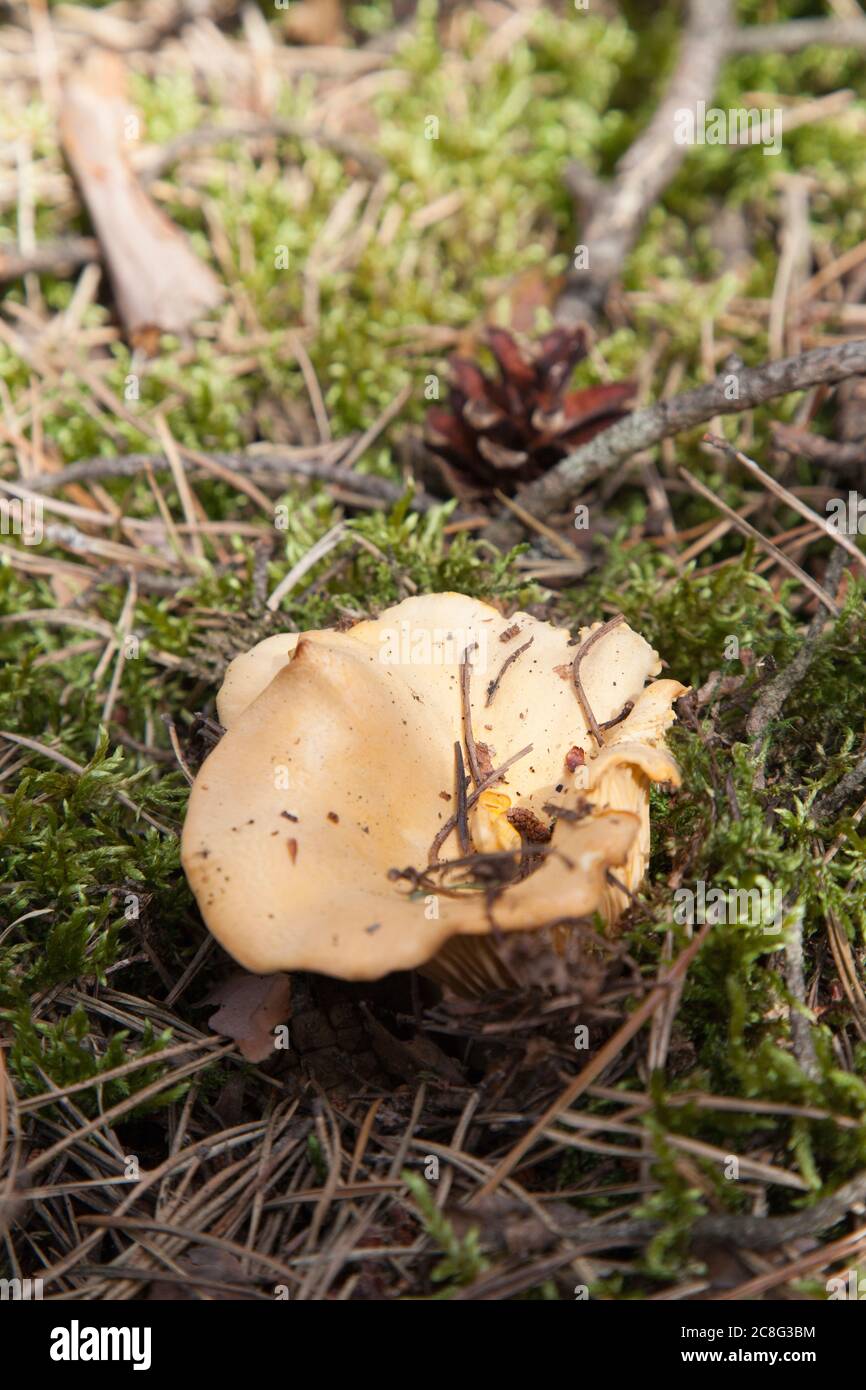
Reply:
x=728, y=394
x=648, y=166
x=797, y=34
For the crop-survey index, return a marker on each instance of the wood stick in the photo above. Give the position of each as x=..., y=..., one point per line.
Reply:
x=754, y=385
x=647, y=167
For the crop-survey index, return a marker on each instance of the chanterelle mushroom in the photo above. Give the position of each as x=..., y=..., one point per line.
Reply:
x=321, y=827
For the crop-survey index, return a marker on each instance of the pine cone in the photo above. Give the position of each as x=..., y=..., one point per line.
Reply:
x=501, y=433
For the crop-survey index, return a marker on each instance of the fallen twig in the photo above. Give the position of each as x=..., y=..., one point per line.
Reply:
x=832, y=802
x=466, y=711
x=831, y=453
x=754, y=386
x=579, y=655
x=744, y=1231
x=51, y=258
x=509, y=660
x=154, y=163
x=281, y=463
x=794, y=35
x=773, y=696
x=619, y=208
x=495, y=776
x=647, y=167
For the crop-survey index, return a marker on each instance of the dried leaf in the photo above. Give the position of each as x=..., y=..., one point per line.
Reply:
x=251, y=1006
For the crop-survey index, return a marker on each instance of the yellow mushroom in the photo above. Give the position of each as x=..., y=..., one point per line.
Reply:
x=489, y=827
x=336, y=775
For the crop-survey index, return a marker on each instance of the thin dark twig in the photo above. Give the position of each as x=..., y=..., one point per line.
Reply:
x=745, y=1230
x=586, y=644
x=466, y=707
x=155, y=164
x=50, y=258
x=832, y=802
x=320, y=466
x=460, y=792
x=493, y=856
x=842, y=458
x=643, y=428
x=176, y=748
x=793, y=35
x=487, y=866
x=618, y=718
x=621, y=887
x=495, y=776
x=769, y=704
x=494, y=684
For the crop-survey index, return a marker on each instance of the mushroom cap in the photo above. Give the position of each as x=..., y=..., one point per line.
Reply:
x=337, y=767
x=424, y=638
x=251, y=673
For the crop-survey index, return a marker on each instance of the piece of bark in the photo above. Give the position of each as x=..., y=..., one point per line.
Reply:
x=160, y=285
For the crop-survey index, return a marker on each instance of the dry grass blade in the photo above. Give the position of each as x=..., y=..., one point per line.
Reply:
x=795, y=503
x=326, y=543
x=602, y=1059
x=754, y=534
x=509, y=661
x=848, y=972
x=72, y=766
